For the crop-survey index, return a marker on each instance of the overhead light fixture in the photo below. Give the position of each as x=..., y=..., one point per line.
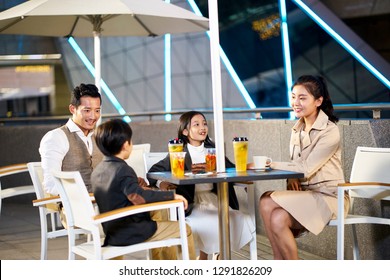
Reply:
x=31, y=57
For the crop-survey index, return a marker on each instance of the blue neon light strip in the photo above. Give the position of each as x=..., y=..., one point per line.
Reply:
x=167, y=74
x=227, y=64
x=343, y=43
x=103, y=84
x=286, y=52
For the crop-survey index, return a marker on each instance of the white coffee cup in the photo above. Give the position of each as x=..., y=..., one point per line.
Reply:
x=261, y=161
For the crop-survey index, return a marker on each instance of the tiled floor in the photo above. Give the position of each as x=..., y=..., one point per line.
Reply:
x=20, y=236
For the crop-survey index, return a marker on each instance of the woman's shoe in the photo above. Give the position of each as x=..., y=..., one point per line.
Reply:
x=216, y=257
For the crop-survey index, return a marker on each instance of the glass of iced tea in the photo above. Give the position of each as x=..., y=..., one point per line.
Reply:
x=174, y=145
x=240, y=147
x=177, y=163
x=211, y=160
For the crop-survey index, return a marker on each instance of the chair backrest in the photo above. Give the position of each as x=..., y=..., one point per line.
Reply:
x=371, y=165
x=151, y=158
x=76, y=200
x=36, y=174
x=136, y=159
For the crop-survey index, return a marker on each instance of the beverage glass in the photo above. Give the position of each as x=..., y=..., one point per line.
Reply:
x=260, y=162
x=174, y=145
x=211, y=160
x=240, y=147
x=177, y=163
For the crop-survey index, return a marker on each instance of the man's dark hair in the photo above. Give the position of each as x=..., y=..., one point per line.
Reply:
x=84, y=90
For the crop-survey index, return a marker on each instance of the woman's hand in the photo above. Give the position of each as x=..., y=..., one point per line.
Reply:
x=294, y=185
x=166, y=186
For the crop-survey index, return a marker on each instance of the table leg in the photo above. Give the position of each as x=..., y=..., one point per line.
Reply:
x=223, y=218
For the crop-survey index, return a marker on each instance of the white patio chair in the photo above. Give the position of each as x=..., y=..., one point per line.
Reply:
x=81, y=214
x=13, y=191
x=49, y=207
x=151, y=158
x=136, y=159
x=370, y=179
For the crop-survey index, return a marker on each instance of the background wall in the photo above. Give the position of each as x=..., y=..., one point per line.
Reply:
x=267, y=137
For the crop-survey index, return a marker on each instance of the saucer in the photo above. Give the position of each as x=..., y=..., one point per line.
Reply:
x=260, y=169
x=190, y=174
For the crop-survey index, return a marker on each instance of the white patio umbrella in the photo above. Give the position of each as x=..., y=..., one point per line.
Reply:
x=87, y=18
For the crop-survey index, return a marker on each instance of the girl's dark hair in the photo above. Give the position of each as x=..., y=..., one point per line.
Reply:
x=316, y=86
x=84, y=90
x=111, y=135
x=185, y=123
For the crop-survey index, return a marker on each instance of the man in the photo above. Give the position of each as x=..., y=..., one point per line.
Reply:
x=72, y=147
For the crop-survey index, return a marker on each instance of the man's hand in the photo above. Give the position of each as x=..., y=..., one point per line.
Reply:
x=166, y=186
x=142, y=183
x=180, y=197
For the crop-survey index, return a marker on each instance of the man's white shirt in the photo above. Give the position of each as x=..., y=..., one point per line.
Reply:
x=53, y=148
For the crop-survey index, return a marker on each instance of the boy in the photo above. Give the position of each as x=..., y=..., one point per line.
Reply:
x=115, y=185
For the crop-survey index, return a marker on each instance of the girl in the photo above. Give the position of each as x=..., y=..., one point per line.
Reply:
x=310, y=203
x=203, y=219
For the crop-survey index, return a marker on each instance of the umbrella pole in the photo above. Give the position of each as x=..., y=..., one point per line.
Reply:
x=96, y=37
x=216, y=84
x=223, y=194
x=98, y=69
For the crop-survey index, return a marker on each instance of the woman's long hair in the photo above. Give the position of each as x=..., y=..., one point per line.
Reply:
x=316, y=86
x=185, y=123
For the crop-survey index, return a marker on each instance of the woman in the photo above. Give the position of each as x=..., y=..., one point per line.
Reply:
x=309, y=203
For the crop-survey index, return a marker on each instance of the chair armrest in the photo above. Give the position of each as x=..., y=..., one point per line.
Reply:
x=54, y=199
x=374, y=190
x=363, y=184
x=91, y=195
x=135, y=209
x=13, y=169
x=46, y=200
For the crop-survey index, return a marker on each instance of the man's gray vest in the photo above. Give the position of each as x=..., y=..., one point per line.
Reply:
x=78, y=157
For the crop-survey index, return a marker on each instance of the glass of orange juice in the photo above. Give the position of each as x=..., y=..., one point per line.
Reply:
x=240, y=147
x=211, y=160
x=177, y=163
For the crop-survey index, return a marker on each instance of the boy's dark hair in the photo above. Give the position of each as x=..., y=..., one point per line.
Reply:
x=84, y=90
x=111, y=135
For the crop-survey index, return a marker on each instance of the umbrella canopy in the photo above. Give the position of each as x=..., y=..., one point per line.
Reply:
x=87, y=18
x=110, y=18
